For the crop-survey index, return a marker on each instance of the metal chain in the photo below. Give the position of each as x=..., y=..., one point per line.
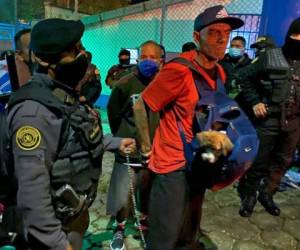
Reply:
x=132, y=194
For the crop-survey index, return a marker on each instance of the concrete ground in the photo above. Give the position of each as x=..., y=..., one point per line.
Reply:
x=224, y=228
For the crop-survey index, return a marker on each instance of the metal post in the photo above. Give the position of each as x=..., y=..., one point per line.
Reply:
x=15, y=21
x=15, y=11
x=76, y=9
x=162, y=23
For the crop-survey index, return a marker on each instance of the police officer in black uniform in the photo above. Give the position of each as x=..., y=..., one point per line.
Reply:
x=57, y=142
x=271, y=84
x=262, y=44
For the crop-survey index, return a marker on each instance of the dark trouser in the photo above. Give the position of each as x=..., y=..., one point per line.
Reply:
x=274, y=157
x=142, y=186
x=74, y=229
x=174, y=212
x=119, y=202
x=12, y=222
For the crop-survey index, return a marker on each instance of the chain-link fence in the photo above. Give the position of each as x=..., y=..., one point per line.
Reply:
x=13, y=14
x=7, y=33
x=168, y=22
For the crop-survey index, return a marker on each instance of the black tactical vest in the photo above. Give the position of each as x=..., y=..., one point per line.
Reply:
x=8, y=187
x=282, y=87
x=79, y=155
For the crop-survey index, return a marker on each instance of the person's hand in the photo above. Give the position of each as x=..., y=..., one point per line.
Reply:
x=69, y=247
x=146, y=158
x=216, y=141
x=128, y=146
x=82, y=99
x=18, y=57
x=260, y=110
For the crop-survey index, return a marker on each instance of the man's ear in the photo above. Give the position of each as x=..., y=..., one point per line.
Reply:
x=67, y=59
x=161, y=62
x=196, y=36
x=40, y=61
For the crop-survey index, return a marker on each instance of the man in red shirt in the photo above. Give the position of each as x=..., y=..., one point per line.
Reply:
x=177, y=195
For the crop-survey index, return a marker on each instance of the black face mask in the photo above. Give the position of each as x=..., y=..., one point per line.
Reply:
x=124, y=62
x=71, y=73
x=291, y=49
x=258, y=51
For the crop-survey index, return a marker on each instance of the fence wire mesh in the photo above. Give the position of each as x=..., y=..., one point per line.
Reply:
x=168, y=22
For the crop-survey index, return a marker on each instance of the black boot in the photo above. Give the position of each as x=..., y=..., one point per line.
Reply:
x=248, y=205
x=241, y=190
x=266, y=200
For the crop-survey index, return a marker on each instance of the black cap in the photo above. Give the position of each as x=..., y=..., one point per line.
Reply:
x=124, y=52
x=263, y=42
x=53, y=36
x=294, y=28
x=216, y=14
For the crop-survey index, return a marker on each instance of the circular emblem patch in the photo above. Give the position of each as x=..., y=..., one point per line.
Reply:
x=28, y=138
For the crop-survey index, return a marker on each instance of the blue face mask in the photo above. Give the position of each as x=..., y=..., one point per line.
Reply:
x=147, y=68
x=235, y=52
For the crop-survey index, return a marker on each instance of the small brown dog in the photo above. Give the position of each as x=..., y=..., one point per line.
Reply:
x=217, y=144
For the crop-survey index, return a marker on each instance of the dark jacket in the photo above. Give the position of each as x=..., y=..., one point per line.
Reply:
x=35, y=137
x=231, y=66
x=273, y=80
x=90, y=85
x=119, y=109
x=115, y=73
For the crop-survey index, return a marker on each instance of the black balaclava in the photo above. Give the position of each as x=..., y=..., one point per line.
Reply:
x=124, y=62
x=291, y=47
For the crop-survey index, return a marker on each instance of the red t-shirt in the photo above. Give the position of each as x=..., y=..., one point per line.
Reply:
x=174, y=94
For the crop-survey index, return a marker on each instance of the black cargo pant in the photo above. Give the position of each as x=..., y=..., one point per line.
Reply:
x=174, y=211
x=275, y=154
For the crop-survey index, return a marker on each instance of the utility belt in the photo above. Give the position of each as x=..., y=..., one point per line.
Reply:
x=287, y=113
x=290, y=110
x=273, y=111
x=273, y=91
x=69, y=204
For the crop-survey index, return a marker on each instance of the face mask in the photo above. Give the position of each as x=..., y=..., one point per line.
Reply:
x=147, y=68
x=258, y=51
x=291, y=48
x=235, y=52
x=124, y=61
x=71, y=73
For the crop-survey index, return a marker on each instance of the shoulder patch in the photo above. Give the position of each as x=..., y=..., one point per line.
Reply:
x=28, y=138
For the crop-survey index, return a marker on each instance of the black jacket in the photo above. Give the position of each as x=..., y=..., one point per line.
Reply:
x=35, y=131
x=273, y=80
x=119, y=108
x=231, y=67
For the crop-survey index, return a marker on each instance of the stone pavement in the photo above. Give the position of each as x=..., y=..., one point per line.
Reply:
x=224, y=228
